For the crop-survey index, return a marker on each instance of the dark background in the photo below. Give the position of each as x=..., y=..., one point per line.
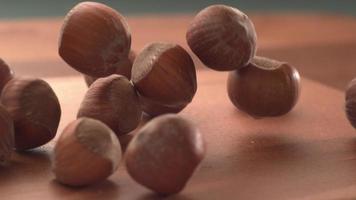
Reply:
x=40, y=8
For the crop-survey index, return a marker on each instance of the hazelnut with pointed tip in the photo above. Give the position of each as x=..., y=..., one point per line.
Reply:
x=113, y=100
x=5, y=74
x=87, y=152
x=222, y=37
x=7, y=140
x=164, y=76
x=265, y=88
x=35, y=109
x=165, y=153
x=124, y=69
x=95, y=39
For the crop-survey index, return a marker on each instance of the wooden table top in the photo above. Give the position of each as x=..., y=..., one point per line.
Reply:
x=308, y=154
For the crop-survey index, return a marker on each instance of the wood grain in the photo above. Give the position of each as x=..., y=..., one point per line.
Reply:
x=308, y=154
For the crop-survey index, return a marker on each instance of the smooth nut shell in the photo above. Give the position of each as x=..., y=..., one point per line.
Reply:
x=5, y=74
x=223, y=38
x=35, y=109
x=350, y=102
x=7, y=140
x=94, y=39
x=87, y=152
x=124, y=69
x=165, y=153
x=113, y=100
x=265, y=88
x=165, y=74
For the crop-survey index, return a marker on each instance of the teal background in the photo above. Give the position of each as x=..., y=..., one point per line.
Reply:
x=44, y=8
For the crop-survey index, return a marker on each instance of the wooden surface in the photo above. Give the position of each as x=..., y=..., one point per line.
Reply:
x=308, y=154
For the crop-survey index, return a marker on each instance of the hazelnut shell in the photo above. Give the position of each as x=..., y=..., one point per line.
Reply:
x=265, y=88
x=87, y=152
x=5, y=74
x=222, y=37
x=35, y=109
x=113, y=100
x=7, y=140
x=165, y=153
x=350, y=102
x=165, y=74
x=94, y=39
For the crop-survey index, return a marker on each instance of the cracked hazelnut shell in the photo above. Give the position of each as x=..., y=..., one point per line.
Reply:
x=265, y=88
x=222, y=37
x=94, y=39
x=35, y=110
x=87, y=152
x=164, y=76
x=164, y=154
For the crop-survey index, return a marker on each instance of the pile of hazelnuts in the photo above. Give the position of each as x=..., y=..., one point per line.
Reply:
x=160, y=81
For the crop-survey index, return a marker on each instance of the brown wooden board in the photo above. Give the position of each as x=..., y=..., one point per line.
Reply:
x=308, y=154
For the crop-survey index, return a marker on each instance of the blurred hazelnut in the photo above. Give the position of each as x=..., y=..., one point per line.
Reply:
x=5, y=74
x=87, y=152
x=165, y=153
x=7, y=143
x=35, y=109
x=113, y=100
x=94, y=39
x=265, y=88
x=223, y=38
x=350, y=102
x=124, y=69
x=164, y=74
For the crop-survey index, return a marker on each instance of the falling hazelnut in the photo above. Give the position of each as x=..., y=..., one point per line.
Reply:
x=113, y=100
x=95, y=39
x=165, y=153
x=265, y=88
x=164, y=75
x=7, y=143
x=87, y=152
x=124, y=68
x=350, y=102
x=35, y=109
x=5, y=74
x=222, y=37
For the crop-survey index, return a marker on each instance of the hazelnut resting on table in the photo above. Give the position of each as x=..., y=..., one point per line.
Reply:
x=35, y=109
x=7, y=140
x=165, y=153
x=94, y=39
x=5, y=74
x=222, y=37
x=87, y=152
x=350, y=102
x=265, y=88
x=113, y=100
x=164, y=76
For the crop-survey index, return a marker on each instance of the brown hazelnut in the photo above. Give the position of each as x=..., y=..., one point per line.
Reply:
x=87, y=152
x=223, y=38
x=35, y=109
x=124, y=68
x=265, y=88
x=113, y=100
x=7, y=143
x=165, y=153
x=164, y=74
x=5, y=74
x=350, y=102
x=94, y=39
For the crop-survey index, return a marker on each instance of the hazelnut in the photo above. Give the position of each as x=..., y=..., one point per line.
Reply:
x=5, y=74
x=124, y=68
x=87, y=152
x=164, y=75
x=94, y=39
x=7, y=143
x=113, y=100
x=350, y=102
x=223, y=38
x=165, y=153
x=35, y=109
x=265, y=88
